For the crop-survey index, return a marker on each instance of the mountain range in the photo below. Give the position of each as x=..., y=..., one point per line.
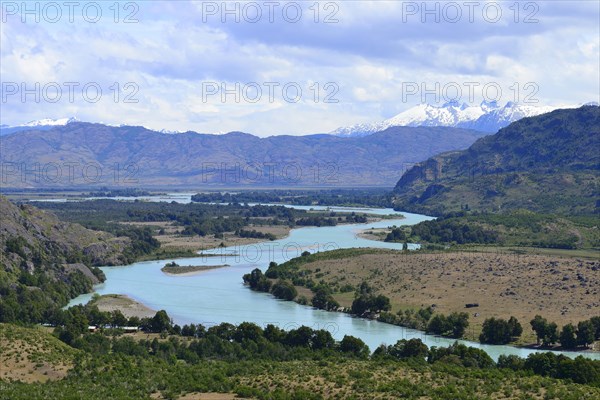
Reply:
x=486, y=117
x=549, y=163
x=136, y=156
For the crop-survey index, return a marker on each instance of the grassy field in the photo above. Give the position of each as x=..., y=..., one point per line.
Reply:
x=33, y=355
x=562, y=289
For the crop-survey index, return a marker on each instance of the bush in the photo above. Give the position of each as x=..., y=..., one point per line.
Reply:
x=284, y=290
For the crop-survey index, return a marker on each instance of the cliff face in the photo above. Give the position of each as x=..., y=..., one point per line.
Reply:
x=33, y=239
x=426, y=171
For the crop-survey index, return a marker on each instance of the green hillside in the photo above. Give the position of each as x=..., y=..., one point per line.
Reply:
x=546, y=164
x=44, y=262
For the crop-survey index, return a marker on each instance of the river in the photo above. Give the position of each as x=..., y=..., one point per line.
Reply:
x=218, y=295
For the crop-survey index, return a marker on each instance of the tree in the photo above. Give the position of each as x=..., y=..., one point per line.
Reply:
x=160, y=322
x=511, y=361
x=117, y=319
x=224, y=330
x=257, y=280
x=567, y=337
x=596, y=323
x=551, y=336
x=284, y=290
x=188, y=330
x=438, y=324
x=381, y=303
x=324, y=300
x=515, y=327
x=300, y=337
x=247, y=331
x=409, y=348
x=585, y=333
x=322, y=339
x=541, y=363
x=461, y=354
x=365, y=300
x=274, y=334
x=539, y=324
x=495, y=331
x=545, y=332
x=499, y=331
x=351, y=344
x=360, y=305
x=459, y=323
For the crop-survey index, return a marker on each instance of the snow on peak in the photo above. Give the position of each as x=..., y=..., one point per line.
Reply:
x=50, y=122
x=40, y=124
x=170, y=132
x=487, y=117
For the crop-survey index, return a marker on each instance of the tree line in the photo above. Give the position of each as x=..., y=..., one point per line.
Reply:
x=248, y=341
x=333, y=197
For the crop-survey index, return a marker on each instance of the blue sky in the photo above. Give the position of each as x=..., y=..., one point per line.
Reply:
x=288, y=67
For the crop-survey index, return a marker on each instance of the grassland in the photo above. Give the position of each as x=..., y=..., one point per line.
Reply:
x=32, y=355
x=562, y=289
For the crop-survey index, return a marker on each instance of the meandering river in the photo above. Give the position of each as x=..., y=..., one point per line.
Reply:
x=218, y=295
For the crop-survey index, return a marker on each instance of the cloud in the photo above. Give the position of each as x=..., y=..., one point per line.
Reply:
x=367, y=55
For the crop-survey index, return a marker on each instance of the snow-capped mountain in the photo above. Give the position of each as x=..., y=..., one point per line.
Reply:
x=49, y=122
x=170, y=132
x=40, y=124
x=486, y=117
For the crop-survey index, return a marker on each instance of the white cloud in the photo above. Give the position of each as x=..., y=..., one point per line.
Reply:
x=369, y=54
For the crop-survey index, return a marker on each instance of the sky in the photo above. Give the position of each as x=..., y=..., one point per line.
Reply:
x=288, y=67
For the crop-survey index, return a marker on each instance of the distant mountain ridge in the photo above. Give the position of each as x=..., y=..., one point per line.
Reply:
x=41, y=124
x=49, y=123
x=548, y=163
x=485, y=117
x=149, y=158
